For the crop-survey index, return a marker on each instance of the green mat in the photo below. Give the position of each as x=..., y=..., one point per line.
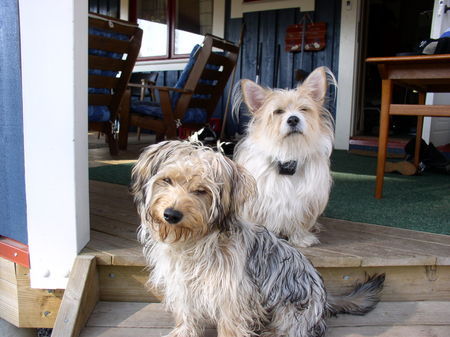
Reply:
x=414, y=202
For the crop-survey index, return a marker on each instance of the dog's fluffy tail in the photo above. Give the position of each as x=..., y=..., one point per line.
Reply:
x=361, y=300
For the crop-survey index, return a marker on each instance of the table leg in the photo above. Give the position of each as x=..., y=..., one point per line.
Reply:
x=386, y=96
x=419, y=129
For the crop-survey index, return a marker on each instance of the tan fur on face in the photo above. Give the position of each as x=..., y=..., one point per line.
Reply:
x=189, y=179
x=268, y=126
x=186, y=194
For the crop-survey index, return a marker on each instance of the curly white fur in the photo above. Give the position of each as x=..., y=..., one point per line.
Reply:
x=288, y=205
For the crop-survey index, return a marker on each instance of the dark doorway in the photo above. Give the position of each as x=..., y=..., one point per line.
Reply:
x=390, y=28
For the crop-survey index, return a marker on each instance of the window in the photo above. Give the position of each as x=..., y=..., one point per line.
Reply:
x=171, y=27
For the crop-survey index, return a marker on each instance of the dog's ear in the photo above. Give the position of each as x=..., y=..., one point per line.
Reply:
x=147, y=166
x=243, y=186
x=253, y=94
x=316, y=84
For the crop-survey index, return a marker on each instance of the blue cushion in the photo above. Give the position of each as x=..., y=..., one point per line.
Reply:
x=185, y=74
x=193, y=115
x=98, y=113
x=101, y=113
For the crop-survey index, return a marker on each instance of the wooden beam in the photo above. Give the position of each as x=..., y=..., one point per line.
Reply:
x=420, y=110
x=37, y=307
x=80, y=298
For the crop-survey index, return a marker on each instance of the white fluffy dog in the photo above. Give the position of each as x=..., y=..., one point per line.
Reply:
x=287, y=149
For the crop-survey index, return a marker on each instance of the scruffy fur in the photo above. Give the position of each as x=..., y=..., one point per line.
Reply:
x=213, y=267
x=288, y=125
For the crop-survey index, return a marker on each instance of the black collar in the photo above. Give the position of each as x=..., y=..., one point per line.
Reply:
x=287, y=168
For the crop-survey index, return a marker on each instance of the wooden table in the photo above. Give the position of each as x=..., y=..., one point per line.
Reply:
x=424, y=73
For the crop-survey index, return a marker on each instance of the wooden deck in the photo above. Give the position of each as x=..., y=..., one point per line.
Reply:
x=389, y=319
x=114, y=223
x=415, y=299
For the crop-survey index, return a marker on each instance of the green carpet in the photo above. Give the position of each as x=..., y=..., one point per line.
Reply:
x=417, y=202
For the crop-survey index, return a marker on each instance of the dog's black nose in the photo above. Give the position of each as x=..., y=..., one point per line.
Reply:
x=293, y=121
x=172, y=216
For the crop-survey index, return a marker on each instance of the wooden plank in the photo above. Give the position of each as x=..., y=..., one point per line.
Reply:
x=121, y=204
x=225, y=45
x=414, y=283
x=394, y=317
x=98, y=81
x=103, y=258
x=123, y=27
x=154, y=315
x=7, y=271
x=109, y=189
x=402, y=283
x=419, y=110
x=399, y=313
x=370, y=252
x=119, y=283
x=80, y=298
x=114, y=227
x=9, y=306
x=109, y=211
x=132, y=332
x=212, y=75
x=390, y=331
x=267, y=31
x=108, y=44
x=249, y=46
x=323, y=258
x=105, y=63
x=37, y=307
x=124, y=252
x=99, y=99
x=131, y=314
x=204, y=89
x=285, y=17
x=388, y=231
x=419, y=248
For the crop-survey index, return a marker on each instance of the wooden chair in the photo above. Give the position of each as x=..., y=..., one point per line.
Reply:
x=113, y=48
x=194, y=98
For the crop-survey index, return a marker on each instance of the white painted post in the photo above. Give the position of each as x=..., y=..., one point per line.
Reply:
x=54, y=79
x=348, y=44
x=437, y=129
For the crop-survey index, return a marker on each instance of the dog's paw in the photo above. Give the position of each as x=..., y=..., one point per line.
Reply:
x=304, y=241
x=183, y=331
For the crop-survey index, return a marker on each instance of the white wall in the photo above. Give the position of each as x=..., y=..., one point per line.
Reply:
x=54, y=80
x=348, y=50
x=437, y=130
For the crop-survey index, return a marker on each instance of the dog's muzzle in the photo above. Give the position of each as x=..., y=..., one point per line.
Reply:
x=287, y=168
x=294, y=124
x=293, y=121
x=172, y=216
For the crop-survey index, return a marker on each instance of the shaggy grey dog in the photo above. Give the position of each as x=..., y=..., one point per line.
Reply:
x=215, y=268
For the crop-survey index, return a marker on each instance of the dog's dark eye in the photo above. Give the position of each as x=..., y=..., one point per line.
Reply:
x=199, y=191
x=278, y=111
x=168, y=181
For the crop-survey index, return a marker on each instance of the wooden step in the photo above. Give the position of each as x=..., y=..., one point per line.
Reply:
x=389, y=319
